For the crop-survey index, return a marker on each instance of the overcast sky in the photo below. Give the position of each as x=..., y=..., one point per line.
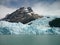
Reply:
x=41, y=7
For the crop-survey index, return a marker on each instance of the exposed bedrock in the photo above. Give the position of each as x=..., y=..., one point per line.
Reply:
x=23, y=15
x=55, y=22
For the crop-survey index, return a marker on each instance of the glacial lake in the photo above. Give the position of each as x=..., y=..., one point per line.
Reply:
x=29, y=39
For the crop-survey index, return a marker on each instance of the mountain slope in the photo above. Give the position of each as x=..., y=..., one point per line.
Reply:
x=23, y=15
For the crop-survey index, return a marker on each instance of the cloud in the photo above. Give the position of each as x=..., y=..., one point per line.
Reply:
x=47, y=9
x=5, y=10
x=42, y=8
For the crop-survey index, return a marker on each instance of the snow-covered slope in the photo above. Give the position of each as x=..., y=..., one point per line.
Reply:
x=38, y=26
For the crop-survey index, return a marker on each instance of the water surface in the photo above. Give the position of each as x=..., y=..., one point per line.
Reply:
x=29, y=39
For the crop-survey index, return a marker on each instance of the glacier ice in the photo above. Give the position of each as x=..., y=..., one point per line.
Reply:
x=38, y=26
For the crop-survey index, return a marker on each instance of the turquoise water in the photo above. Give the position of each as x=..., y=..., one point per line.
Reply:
x=29, y=39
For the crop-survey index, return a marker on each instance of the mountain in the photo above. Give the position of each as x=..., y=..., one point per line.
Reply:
x=23, y=15
x=26, y=15
x=29, y=23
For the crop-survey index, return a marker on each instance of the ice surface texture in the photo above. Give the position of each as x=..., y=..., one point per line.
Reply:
x=37, y=27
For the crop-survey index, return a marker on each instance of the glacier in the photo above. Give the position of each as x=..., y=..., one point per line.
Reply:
x=36, y=27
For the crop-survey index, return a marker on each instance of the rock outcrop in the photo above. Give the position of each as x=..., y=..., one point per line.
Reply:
x=55, y=23
x=23, y=15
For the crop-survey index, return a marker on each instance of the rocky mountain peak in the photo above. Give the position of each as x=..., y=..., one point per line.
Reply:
x=23, y=15
x=27, y=10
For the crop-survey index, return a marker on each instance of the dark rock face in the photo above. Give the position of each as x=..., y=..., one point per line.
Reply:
x=23, y=15
x=55, y=22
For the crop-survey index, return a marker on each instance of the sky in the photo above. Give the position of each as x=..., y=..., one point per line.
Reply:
x=41, y=7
